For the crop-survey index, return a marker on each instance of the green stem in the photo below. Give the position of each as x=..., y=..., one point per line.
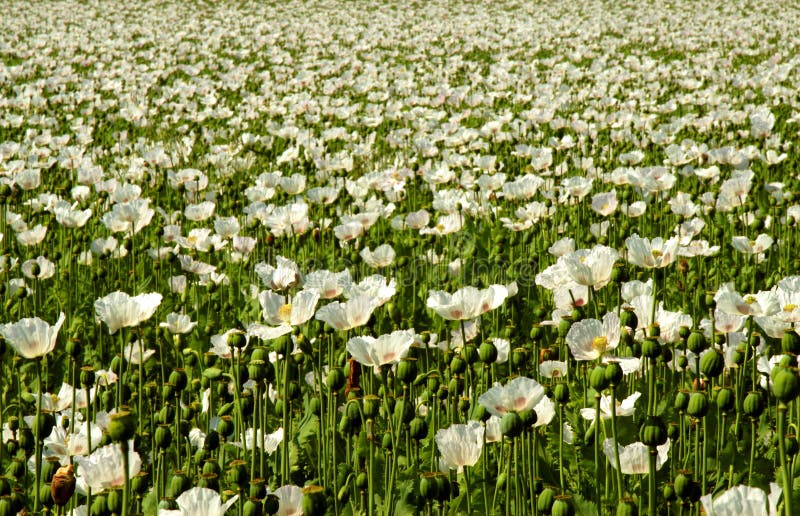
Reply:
x=125, y=464
x=37, y=439
x=616, y=445
x=651, y=481
x=787, y=477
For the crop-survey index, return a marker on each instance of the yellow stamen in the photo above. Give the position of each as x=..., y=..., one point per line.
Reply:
x=600, y=344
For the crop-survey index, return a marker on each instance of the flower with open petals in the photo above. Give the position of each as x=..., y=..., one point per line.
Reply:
x=623, y=408
x=119, y=310
x=386, y=349
x=518, y=395
x=591, y=267
x=32, y=337
x=200, y=501
x=104, y=469
x=651, y=254
x=743, y=500
x=633, y=458
x=590, y=339
x=466, y=303
x=762, y=304
x=460, y=445
x=350, y=314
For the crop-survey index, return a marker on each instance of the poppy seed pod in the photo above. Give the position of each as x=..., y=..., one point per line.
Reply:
x=545, y=500
x=696, y=342
x=511, y=425
x=562, y=506
x=597, y=378
x=786, y=385
x=253, y=508
x=487, y=353
x=725, y=399
x=651, y=348
x=614, y=373
x=790, y=342
x=628, y=318
x=698, y=405
x=712, y=363
x=753, y=405
x=561, y=393
x=627, y=507
x=122, y=426
x=681, y=400
x=653, y=432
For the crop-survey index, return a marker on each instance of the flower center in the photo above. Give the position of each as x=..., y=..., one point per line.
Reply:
x=750, y=299
x=657, y=253
x=791, y=307
x=600, y=344
x=285, y=312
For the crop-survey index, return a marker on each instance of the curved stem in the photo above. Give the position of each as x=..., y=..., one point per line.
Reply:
x=616, y=445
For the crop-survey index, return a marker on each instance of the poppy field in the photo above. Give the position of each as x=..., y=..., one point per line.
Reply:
x=399, y=258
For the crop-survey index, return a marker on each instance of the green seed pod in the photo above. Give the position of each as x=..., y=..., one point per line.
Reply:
x=98, y=507
x=683, y=361
x=225, y=426
x=545, y=500
x=669, y=492
x=712, y=363
x=469, y=353
x=163, y=437
x=253, y=508
x=418, y=428
x=628, y=319
x=313, y=503
x=654, y=330
x=479, y=413
x=315, y=406
x=698, y=405
x=562, y=506
x=614, y=373
x=407, y=370
x=511, y=425
x=362, y=481
x=6, y=506
x=428, y=486
x=404, y=411
x=528, y=417
x=444, y=488
x=561, y=393
x=87, y=377
x=563, y=327
x=336, y=379
x=683, y=486
x=791, y=445
x=790, y=342
x=371, y=404
x=786, y=384
x=457, y=365
x=114, y=501
x=627, y=507
x=122, y=426
x=597, y=378
x=681, y=400
x=696, y=343
x=753, y=405
x=211, y=467
x=177, y=379
x=178, y=484
x=725, y=400
x=487, y=353
x=653, y=432
x=651, y=348
x=211, y=442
